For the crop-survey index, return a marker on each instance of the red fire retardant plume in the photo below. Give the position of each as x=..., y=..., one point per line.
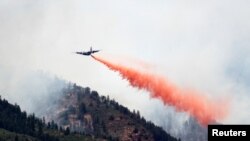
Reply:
x=204, y=110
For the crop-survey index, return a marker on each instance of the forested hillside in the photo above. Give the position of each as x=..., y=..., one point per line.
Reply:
x=79, y=114
x=84, y=111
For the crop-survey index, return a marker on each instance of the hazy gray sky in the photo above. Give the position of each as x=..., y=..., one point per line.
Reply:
x=196, y=44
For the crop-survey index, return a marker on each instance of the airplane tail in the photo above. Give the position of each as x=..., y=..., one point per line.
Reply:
x=91, y=49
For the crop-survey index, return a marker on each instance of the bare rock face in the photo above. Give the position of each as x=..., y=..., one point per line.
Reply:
x=88, y=123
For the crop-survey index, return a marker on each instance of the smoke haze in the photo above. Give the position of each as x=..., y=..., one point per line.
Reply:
x=30, y=89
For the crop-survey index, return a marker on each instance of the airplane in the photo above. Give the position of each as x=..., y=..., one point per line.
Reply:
x=87, y=53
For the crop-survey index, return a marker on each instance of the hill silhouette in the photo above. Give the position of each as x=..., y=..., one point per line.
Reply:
x=84, y=111
x=80, y=114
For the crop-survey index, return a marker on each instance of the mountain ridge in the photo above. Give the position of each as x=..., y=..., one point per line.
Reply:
x=85, y=111
x=100, y=117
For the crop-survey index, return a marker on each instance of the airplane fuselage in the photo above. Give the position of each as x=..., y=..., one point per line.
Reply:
x=88, y=53
x=84, y=53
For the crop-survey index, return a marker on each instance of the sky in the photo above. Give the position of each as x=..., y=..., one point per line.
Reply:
x=204, y=45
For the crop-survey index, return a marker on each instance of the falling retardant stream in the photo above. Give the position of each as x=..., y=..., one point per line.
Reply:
x=193, y=102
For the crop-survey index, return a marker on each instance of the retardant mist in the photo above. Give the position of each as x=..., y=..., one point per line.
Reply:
x=193, y=102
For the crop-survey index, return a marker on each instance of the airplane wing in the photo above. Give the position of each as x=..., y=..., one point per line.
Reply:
x=94, y=51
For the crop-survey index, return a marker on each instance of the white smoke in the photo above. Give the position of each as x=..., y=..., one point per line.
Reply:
x=34, y=91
